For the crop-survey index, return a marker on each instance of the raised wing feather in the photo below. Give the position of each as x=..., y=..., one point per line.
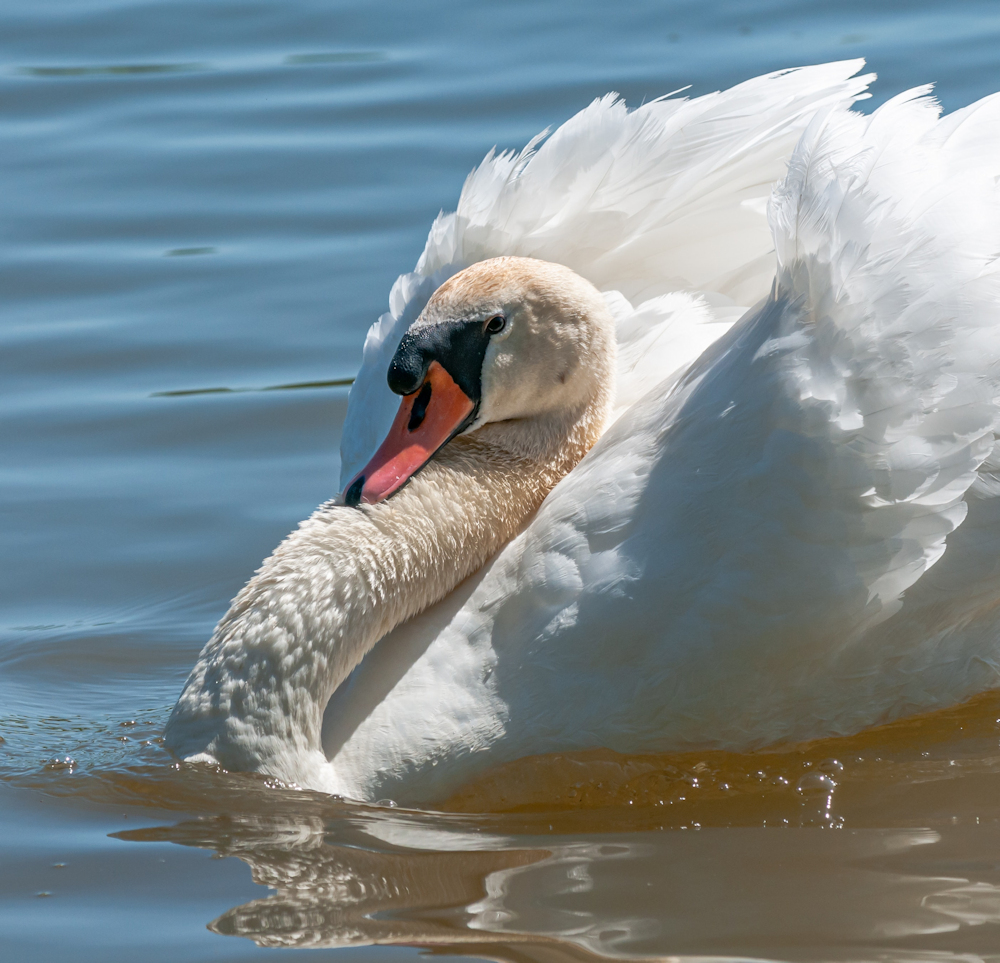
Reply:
x=797, y=536
x=669, y=197
x=746, y=536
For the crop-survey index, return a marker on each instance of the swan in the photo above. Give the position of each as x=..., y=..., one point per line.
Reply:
x=682, y=434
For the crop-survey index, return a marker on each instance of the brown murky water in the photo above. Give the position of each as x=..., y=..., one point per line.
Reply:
x=885, y=845
x=218, y=196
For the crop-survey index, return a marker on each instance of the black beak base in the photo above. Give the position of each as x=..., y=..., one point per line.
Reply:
x=458, y=346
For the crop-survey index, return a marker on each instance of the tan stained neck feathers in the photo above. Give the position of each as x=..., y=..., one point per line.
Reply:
x=347, y=576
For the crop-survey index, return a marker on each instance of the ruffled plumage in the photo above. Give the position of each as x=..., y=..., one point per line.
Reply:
x=791, y=529
x=795, y=535
x=667, y=198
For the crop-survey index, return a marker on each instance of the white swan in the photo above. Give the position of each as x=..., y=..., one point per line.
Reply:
x=790, y=530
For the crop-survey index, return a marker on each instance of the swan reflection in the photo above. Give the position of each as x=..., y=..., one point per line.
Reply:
x=389, y=877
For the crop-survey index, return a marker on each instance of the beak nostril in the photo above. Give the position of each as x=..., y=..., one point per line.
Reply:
x=353, y=494
x=419, y=410
x=414, y=438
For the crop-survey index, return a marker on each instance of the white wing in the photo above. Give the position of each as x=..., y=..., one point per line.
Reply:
x=750, y=554
x=669, y=197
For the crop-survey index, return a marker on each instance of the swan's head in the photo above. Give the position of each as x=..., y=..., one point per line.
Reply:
x=511, y=340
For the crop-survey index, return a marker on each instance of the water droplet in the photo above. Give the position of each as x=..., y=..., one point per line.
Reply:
x=831, y=766
x=57, y=764
x=815, y=782
x=388, y=803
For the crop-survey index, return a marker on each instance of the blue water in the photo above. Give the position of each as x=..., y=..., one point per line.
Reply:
x=218, y=195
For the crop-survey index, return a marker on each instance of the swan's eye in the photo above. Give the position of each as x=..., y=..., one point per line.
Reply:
x=496, y=324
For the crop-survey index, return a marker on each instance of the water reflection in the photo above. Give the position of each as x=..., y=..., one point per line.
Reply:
x=380, y=877
x=340, y=885
x=112, y=69
x=189, y=251
x=703, y=855
x=298, y=385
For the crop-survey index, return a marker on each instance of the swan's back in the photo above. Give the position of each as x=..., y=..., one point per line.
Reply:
x=797, y=536
x=767, y=530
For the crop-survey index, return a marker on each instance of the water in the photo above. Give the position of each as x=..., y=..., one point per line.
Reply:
x=219, y=196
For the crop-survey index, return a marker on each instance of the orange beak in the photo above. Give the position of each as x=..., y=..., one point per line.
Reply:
x=426, y=420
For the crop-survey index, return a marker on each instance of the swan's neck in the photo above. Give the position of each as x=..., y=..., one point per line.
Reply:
x=345, y=578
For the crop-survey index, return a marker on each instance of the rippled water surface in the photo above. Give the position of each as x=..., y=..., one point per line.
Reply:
x=203, y=206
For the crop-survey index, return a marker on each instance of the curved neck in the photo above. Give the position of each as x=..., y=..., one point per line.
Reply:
x=348, y=576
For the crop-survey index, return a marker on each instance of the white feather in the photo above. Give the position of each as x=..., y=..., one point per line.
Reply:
x=797, y=536
x=669, y=197
x=792, y=529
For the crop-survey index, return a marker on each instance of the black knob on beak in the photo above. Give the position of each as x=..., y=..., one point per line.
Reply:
x=409, y=365
x=458, y=346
